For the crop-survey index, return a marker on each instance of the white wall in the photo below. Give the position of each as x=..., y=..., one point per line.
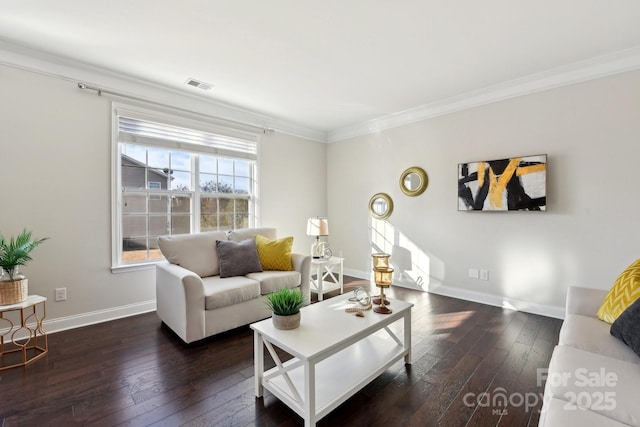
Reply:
x=293, y=185
x=55, y=177
x=589, y=234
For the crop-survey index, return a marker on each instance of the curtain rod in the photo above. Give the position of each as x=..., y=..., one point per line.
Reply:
x=100, y=91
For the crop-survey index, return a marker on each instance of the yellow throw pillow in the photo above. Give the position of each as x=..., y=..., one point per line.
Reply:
x=624, y=292
x=275, y=254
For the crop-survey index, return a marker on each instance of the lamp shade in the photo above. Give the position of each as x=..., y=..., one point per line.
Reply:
x=318, y=226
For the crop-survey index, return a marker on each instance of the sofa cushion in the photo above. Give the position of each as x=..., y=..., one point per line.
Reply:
x=627, y=327
x=221, y=292
x=275, y=254
x=195, y=252
x=557, y=412
x=246, y=233
x=590, y=381
x=625, y=290
x=238, y=258
x=590, y=334
x=273, y=280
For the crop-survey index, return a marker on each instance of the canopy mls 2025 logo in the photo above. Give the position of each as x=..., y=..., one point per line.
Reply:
x=516, y=184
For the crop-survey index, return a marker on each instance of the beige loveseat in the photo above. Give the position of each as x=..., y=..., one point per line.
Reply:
x=195, y=302
x=593, y=377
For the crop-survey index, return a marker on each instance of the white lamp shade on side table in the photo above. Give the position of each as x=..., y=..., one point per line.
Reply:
x=316, y=227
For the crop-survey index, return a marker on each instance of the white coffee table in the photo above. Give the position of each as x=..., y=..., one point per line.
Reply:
x=335, y=354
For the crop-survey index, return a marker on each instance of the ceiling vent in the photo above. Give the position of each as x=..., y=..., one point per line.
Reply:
x=199, y=84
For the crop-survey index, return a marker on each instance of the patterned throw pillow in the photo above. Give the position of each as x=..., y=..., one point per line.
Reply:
x=624, y=292
x=275, y=254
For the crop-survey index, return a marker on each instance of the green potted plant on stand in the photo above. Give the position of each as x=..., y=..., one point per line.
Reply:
x=13, y=254
x=285, y=304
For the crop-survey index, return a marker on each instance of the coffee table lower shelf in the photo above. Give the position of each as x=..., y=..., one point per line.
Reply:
x=337, y=377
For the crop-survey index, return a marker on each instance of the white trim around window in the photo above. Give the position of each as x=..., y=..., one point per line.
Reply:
x=227, y=200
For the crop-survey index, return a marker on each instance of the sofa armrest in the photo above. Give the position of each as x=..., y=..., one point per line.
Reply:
x=180, y=300
x=584, y=301
x=302, y=264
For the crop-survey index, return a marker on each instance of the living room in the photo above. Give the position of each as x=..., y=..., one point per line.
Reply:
x=583, y=114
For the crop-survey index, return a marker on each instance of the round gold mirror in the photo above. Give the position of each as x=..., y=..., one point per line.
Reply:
x=381, y=206
x=413, y=181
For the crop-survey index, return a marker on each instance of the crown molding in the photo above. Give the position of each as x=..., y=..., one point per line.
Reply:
x=602, y=66
x=40, y=62
x=44, y=63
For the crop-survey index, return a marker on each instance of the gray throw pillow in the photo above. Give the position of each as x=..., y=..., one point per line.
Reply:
x=627, y=327
x=238, y=258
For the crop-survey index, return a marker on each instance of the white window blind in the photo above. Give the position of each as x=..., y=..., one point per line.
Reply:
x=136, y=131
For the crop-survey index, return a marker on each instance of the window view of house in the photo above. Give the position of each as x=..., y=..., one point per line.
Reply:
x=166, y=191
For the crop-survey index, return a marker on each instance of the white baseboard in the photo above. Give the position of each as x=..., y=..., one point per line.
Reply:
x=85, y=319
x=479, y=297
x=356, y=273
x=499, y=301
x=99, y=316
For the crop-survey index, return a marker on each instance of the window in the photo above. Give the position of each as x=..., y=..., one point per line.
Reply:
x=171, y=179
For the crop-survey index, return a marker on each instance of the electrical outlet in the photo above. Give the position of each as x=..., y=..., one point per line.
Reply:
x=473, y=273
x=61, y=294
x=484, y=274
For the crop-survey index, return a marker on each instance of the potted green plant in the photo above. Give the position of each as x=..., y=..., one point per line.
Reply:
x=14, y=253
x=285, y=305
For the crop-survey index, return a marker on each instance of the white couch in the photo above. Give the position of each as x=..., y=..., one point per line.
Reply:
x=195, y=302
x=593, y=377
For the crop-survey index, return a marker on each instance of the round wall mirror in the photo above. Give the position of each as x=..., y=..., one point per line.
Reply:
x=381, y=206
x=413, y=181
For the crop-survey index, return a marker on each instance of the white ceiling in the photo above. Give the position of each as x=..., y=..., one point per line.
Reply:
x=330, y=64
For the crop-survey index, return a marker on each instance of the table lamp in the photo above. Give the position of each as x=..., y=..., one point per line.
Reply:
x=317, y=226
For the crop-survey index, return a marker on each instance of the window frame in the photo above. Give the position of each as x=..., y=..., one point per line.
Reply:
x=183, y=120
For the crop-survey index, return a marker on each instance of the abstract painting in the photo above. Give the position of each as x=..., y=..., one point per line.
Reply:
x=517, y=184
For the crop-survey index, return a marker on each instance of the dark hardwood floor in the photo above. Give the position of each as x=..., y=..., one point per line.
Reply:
x=467, y=359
